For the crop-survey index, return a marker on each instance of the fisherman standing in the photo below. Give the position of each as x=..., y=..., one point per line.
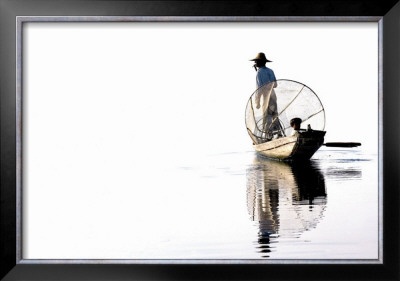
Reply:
x=265, y=75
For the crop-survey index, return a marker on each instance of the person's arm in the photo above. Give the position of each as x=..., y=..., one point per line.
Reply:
x=257, y=99
x=258, y=94
x=273, y=78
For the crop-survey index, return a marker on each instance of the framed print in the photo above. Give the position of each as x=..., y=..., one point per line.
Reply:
x=163, y=140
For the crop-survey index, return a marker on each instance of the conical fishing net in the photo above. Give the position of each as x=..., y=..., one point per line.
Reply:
x=272, y=106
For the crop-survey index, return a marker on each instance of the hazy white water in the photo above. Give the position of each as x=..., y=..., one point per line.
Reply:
x=227, y=206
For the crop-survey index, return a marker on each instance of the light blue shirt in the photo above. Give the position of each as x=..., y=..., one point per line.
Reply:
x=264, y=76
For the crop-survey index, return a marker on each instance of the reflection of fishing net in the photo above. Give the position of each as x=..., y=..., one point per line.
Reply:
x=272, y=106
x=285, y=199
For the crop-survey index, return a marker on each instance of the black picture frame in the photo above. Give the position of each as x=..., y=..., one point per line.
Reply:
x=387, y=11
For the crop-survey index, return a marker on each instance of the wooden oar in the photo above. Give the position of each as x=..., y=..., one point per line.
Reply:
x=342, y=144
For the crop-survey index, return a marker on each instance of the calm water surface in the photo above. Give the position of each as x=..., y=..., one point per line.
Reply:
x=205, y=205
x=242, y=206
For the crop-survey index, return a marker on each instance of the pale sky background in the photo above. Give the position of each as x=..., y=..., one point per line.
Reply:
x=163, y=79
x=104, y=95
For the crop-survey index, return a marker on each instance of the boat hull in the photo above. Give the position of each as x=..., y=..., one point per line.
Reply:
x=299, y=147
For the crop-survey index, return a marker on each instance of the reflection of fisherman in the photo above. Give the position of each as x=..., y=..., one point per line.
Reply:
x=264, y=76
x=286, y=199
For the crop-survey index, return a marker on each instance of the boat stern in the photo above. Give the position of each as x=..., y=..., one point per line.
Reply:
x=308, y=142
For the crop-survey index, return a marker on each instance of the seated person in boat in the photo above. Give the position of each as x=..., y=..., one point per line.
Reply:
x=295, y=124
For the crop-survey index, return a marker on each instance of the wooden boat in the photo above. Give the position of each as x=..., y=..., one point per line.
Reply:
x=301, y=146
x=269, y=114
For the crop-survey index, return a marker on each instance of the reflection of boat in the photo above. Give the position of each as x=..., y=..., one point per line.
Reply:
x=268, y=114
x=284, y=199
